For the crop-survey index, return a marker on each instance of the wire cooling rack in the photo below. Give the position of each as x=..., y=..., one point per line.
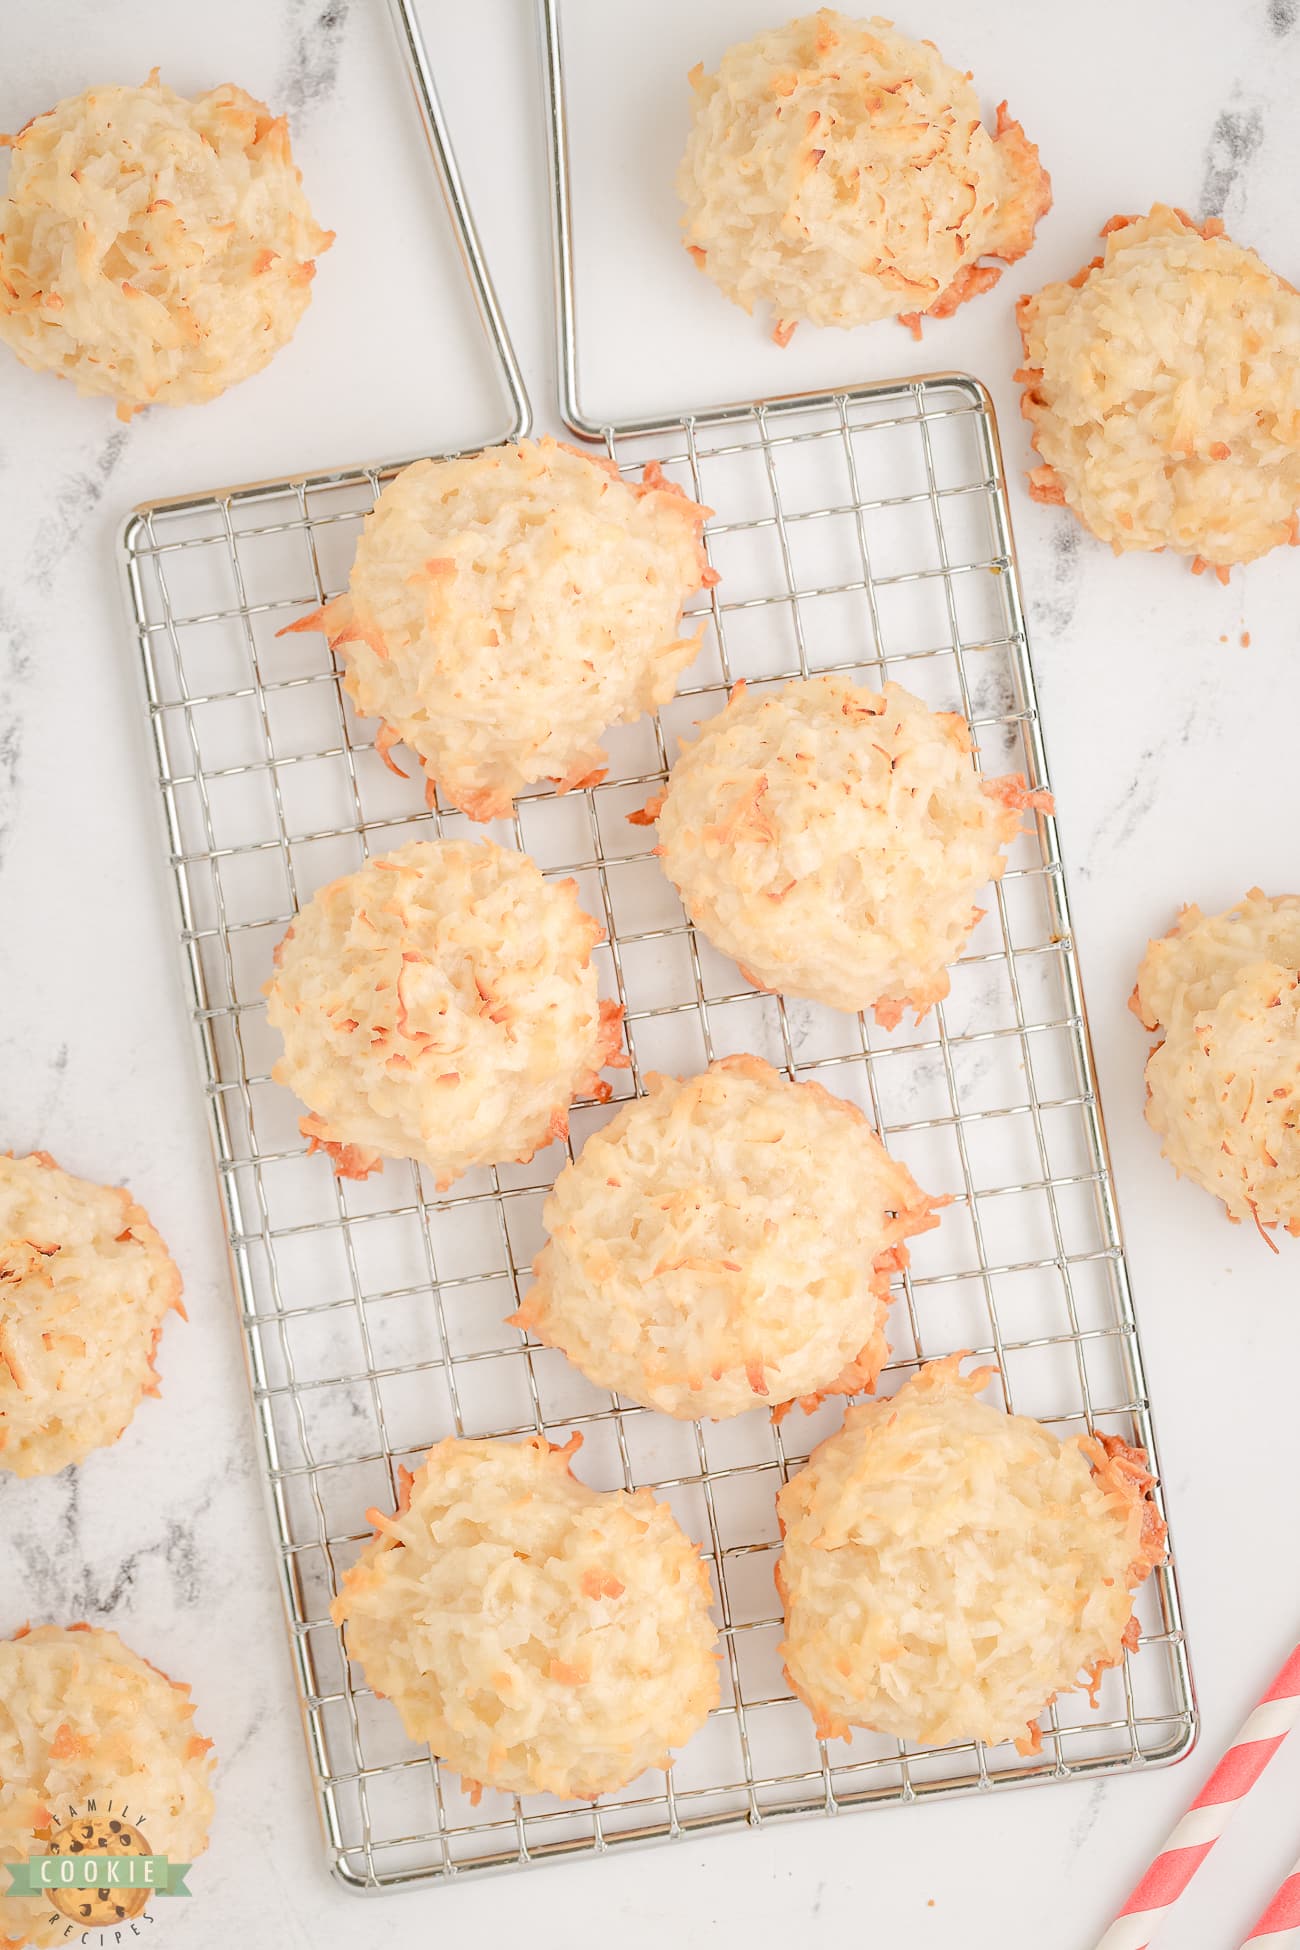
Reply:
x=863, y=531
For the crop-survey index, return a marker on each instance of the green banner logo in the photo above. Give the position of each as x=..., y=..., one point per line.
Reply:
x=46, y=1875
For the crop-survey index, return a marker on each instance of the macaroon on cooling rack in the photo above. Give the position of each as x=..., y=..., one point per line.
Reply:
x=865, y=531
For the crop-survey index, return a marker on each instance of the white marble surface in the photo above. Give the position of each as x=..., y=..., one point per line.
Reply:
x=1173, y=754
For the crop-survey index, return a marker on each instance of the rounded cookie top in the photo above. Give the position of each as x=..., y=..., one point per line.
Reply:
x=85, y=1722
x=725, y=1242
x=1163, y=386
x=541, y=1636
x=506, y=608
x=152, y=248
x=1223, y=1085
x=85, y=1285
x=440, y=1004
x=839, y=172
x=833, y=840
x=948, y=1568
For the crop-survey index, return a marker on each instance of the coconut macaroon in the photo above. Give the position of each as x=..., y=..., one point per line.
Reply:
x=440, y=1004
x=832, y=839
x=1223, y=1086
x=948, y=1569
x=838, y=172
x=540, y=1636
x=85, y=1285
x=89, y=1729
x=505, y=609
x=1163, y=386
x=154, y=249
x=726, y=1241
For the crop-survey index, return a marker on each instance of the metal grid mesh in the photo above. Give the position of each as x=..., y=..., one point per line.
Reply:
x=864, y=532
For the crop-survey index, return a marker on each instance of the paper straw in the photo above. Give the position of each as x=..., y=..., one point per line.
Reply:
x=1279, y=1927
x=1200, y=1828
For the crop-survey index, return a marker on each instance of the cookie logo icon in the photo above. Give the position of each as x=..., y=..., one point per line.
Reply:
x=98, y=1835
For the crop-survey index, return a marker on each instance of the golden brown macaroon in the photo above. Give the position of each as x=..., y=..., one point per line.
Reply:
x=832, y=839
x=154, y=249
x=440, y=1004
x=506, y=608
x=948, y=1569
x=1163, y=386
x=839, y=172
x=85, y=1285
x=84, y=1719
x=541, y=1636
x=726, y=1241
x=1223, y=1086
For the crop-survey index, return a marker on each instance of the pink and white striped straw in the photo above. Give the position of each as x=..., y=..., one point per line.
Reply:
x=1279, y=1927
x=1200, y=1828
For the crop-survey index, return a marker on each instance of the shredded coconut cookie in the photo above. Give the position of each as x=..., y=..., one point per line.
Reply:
x=724, y=1241
x=87, y=1724
x=1163, y=386
x=948, y=1569
x=832, y=840
x=840, y=173
x=541, y=1636
x=153, y=248
x=1223, y=1088
x=507, y=608
x=440, y=1004
x=85, y=1285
